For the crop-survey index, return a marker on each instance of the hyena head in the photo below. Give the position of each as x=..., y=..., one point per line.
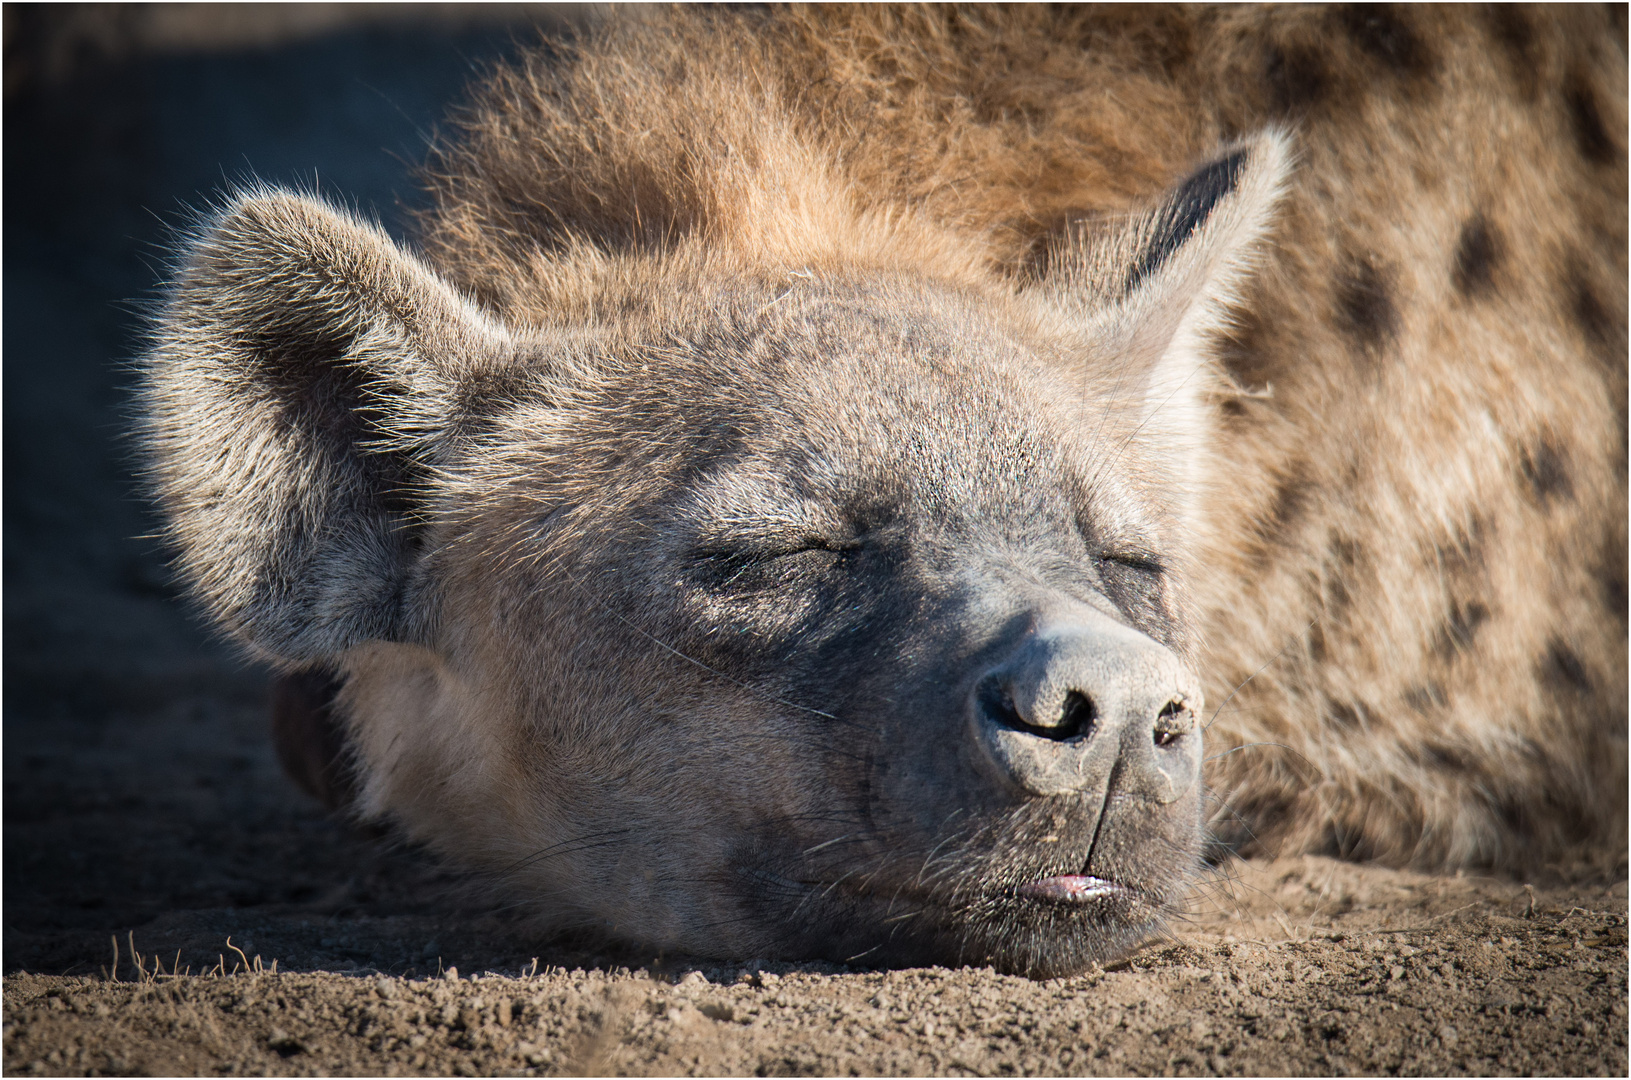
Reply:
x=777, y=610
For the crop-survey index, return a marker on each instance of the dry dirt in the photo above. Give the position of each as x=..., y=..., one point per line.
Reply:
x=1299, y=966
x=143, y=804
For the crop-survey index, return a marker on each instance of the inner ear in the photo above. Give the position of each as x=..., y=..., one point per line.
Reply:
x=1184, y=212
x=304, y=385
x=1139, y=280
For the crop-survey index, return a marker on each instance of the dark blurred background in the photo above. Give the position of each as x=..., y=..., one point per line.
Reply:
x=141, y=793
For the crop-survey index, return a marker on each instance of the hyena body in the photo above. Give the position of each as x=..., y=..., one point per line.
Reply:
x=824, y=460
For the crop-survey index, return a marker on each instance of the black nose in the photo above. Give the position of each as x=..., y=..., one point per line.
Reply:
x=1081, y=700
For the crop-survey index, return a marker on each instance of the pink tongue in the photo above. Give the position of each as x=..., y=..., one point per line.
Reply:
x=1070, y=887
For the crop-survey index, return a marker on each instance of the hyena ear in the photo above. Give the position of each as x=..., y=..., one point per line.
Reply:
x=300, y=390
x=1152, y=292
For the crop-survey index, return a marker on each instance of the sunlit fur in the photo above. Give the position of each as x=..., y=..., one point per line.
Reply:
x=1370, y=416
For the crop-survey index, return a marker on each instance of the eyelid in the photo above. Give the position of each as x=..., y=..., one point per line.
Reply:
x=1135, y=558
x=772, y=545
x=784, y=546
x=824, y=543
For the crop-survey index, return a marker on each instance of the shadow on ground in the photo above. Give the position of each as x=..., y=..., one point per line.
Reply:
x=140, y=788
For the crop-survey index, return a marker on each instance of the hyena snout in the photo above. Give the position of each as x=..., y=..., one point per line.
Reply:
x=1090, y=705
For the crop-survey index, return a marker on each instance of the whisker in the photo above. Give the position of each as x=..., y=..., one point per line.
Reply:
x=849, y=839
x=1258, y=672
x=1250, y=745
x=565, y=847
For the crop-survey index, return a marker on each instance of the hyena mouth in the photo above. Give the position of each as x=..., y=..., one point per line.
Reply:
x=1072, y=889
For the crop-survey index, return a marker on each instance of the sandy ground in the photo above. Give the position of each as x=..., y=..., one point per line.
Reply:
x=144, y=811
x=1299, y=966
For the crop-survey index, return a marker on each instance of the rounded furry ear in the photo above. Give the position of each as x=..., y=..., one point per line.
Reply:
x=1151, y=292
x=299, y=389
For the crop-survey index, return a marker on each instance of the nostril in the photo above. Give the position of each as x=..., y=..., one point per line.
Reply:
x=1077, y=716
x=998, y=704
x=1167, y=730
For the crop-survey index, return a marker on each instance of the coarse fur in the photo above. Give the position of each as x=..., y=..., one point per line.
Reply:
x=765, y=373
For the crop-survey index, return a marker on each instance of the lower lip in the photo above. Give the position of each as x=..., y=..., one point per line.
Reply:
x=1071, y=888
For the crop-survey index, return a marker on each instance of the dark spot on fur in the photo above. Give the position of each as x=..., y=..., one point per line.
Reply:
x=1511, y=30
x=1159, y=39
x=1546, y=470
x=1337, y=596
x=1446, y=758
x=1462, y=557
x=1365, y=309
x=1614, y=594
x=1316, y=643
x=1345, y=552
x=1187, y=210
x=1350, y=842
x=1611, y=574
x=1591, y=135
x=1345, y=715
x=1343, y=559
x=1588, y=309
x=1562, y=671
x=1171, y=47
x=1459, y=629
x=1425, y=698
x=1291, y=497
x=1297, y=78
x=1384, y=32
x=1513, y=814
x=1554, y=813
x=1477, y=254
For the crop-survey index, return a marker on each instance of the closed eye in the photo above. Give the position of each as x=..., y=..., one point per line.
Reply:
x=1133, y=580
x=1145, y=561
x=729, y=564
x=768, y=549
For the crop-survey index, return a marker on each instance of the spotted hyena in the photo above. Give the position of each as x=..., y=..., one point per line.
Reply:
x=824, y=475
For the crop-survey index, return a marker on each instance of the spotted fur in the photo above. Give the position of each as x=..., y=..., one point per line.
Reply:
x=1380, y=495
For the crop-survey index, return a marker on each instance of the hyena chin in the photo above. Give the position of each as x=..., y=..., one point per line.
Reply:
x=797, y=503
